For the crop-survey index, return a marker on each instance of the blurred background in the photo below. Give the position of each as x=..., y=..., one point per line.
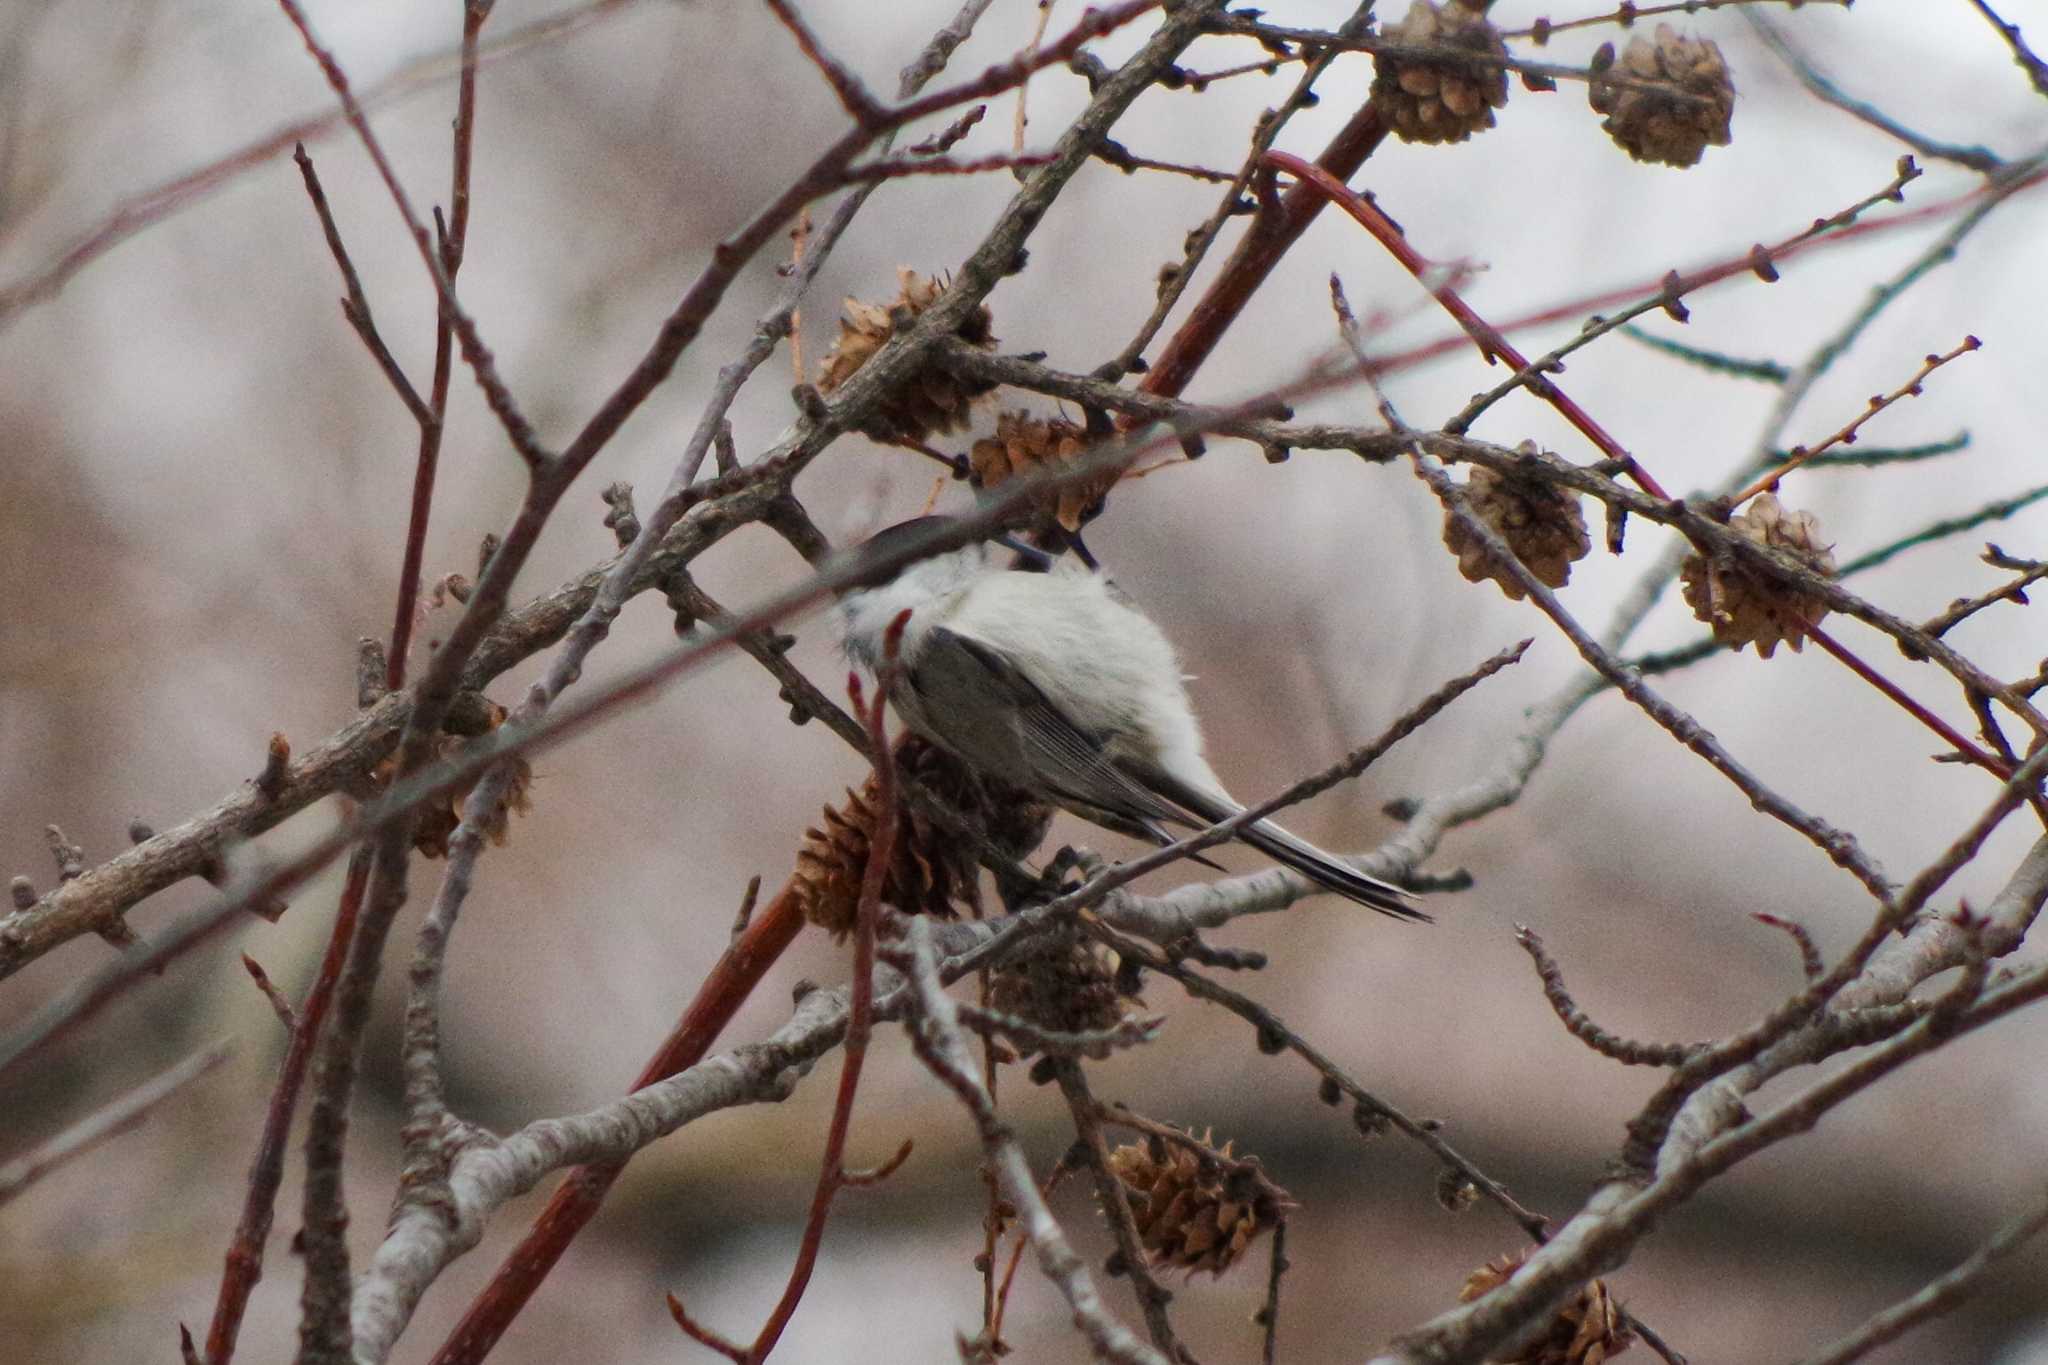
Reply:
x=203, y=483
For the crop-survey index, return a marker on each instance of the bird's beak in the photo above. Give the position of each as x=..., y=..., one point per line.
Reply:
x=1030, y=558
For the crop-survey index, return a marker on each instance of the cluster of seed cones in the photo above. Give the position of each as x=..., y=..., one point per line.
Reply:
x=1540, y=522
x=436, y=821
x=933, y=401
x=1748, y=607
x=931, y=870
x=1196, y=1209
x=1589, y=1330
x=1444, y=71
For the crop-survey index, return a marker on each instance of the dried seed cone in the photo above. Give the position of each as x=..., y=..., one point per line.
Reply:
x=1024, y=443
x=930, y=870
x=1676, y=123
x=1447, y=97
x=1744, y=608
x=931, y=400
x=1589, y=1330
x=1069, y=987
x=436, y=821
x=1191, y=1218
x=1541, y=523
x=1014, y=820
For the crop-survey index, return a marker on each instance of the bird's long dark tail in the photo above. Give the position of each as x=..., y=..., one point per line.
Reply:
x=1289, y=850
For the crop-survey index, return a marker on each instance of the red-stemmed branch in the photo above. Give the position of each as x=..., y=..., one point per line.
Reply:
x=1278, y=225
x=1492, y=345
x=832, y=1174
x=259, y=1205
x=453, y=238
x=1964, y=748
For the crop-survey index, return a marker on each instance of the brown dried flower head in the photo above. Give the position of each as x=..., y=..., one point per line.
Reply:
x=436, y=822
x=1541, y=523
x=1688, y=110
x=1196, y=1212
x=930, y=869
x=1446, y=96
x=1069, y=986
x=1454, y=1192
x=1589, y=1330
x=1746, y=608
x=932, y=400
x=1024, y=443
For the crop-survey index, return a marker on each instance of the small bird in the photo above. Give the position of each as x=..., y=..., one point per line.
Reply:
x=1054, y=682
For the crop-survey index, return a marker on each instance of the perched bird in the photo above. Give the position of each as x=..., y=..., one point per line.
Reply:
x=1056, y=683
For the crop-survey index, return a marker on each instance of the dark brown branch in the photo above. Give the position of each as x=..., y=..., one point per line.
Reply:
x=1627, y=1051
x=1130, y=1259
x=2022, y=55
x=1268, y=1317
x=496, y=395
x=2027, y=572
x=1175, y=279
x=356, y=305
x=244, y=1266
x=860, y=1010
x=854, y=96
x=454, y=236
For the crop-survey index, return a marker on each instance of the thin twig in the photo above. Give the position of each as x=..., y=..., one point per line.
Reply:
x=1268, y=1316
x=356, y=306
x=2022, y=55
x=279, y=1006
x=860, y=1013
x=1939, y=1296
x=244, y=1267
x=1131, y=1259
x=1825, y=90
x=453, y=241
x=108, y=1121
x=1627, y=1051
x=1846, y=435
x=1371, y=1113
x=2027, y=572
x=1630, y=14
x=941, y=1047
x=496, y=395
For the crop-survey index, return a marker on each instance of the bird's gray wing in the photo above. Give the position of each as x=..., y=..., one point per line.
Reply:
x=983, y=707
